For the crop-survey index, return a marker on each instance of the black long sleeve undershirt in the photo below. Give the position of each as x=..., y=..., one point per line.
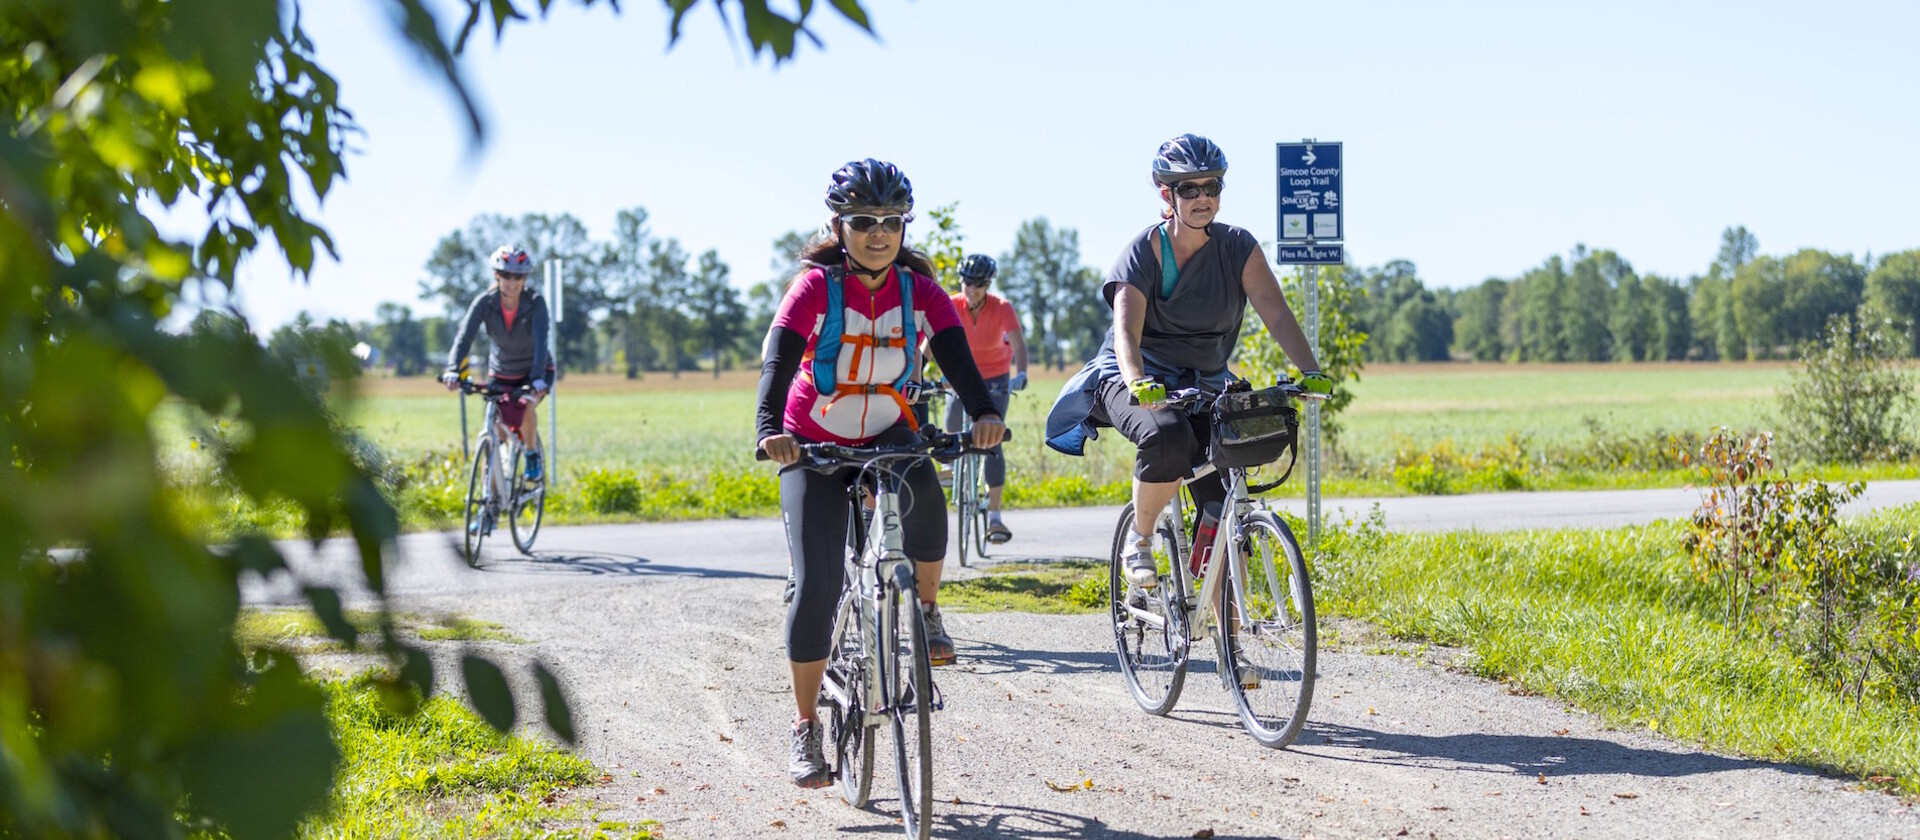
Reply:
x=785, y=348
x=783, y=351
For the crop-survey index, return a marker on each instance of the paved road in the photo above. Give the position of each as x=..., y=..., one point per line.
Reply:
x=668, y=640
x=583, y=555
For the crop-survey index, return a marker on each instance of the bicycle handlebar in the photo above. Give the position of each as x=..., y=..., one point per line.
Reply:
x=1188, y=397
x=824, y=457
x=467, y=386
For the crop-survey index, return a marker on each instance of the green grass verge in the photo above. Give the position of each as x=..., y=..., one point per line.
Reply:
x=1615, y=622
x=444, y=773
x=298, y=629
x=1062, y=588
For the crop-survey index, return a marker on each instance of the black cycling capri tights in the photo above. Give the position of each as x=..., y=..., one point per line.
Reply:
x=816, y=509
x=1172, y=443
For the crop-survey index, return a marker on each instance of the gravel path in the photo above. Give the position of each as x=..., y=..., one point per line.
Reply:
x=668, y=638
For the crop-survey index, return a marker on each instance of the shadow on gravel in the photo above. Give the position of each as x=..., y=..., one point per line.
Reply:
x=1524, y=755
x=1026, y=823
x=990, y=658
x=607, y=564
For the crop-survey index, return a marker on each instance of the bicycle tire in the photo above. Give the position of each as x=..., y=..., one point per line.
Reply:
x=850, y=738
x=979, y=509
x=1279, y=641
x=912, y=712
x=1153, y=660
x=963, y=505
x=474, y=525
x=526, y=505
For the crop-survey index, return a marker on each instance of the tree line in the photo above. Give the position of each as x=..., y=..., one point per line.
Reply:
x=1591, y=306
x=640, y=302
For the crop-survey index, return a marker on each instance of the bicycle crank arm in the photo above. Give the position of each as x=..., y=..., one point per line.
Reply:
x=1157, y=622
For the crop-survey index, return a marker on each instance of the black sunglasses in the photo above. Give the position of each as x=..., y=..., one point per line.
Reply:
x=1192, y=190
x=862, y=222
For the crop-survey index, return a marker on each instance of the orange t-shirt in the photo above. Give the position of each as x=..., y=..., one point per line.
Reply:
x=987, y=333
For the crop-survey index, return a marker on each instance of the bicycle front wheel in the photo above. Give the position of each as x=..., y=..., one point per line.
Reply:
x=977, y=480
x=963, y=505
x=475, y=524
x=912, y=713
x=1149, y=625
x=526, y=505
x=1267, y=630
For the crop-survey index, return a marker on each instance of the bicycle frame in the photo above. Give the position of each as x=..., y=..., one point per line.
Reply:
x=875, y=574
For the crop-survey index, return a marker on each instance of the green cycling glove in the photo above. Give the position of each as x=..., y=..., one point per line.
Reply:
x=1315, y=382
x=1147, y=391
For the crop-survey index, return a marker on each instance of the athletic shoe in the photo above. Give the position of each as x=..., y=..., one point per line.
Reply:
x=997, y=531
x=1249, y=675
x=533, y=466
x=1138, y=562
x=808, y=763
x=939, y=644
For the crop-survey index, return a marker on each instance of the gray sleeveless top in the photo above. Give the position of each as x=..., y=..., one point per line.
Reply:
x=1197, y=326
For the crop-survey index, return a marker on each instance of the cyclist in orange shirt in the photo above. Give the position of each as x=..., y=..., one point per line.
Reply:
x=1000, y=350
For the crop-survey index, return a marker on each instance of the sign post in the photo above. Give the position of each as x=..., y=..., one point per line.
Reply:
x=556, y=286
x=1312, y=217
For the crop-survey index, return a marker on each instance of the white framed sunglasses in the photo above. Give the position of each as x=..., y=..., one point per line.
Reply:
x=866, y=222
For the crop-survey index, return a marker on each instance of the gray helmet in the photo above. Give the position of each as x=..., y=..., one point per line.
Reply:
x=977, y=269
x=1186, y=157
x=511, y=259
x=869, y=184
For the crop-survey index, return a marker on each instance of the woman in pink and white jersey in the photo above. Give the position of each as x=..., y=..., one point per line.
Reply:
x=860, y=262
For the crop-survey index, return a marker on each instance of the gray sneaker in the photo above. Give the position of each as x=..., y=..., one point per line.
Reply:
x=808, y=763
x=939, y=644
x=1138, y=562
x=1248, y=675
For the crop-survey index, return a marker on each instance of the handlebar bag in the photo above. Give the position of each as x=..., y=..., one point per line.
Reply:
x=1251, y=428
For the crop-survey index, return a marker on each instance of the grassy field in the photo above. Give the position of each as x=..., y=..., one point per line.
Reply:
x=678, y=445
x=697, y=423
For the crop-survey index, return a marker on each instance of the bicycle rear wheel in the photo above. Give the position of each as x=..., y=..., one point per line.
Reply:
x=1149, y=625
x=847, y=732
x=526, y=505
x=1267, y=630
x=912, y=712
x=474, y=526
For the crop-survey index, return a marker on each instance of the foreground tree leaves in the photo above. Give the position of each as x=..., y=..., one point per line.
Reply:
x=126, y=708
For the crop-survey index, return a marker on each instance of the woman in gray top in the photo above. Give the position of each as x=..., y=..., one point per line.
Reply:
x=1177, y=293
x=515, y=318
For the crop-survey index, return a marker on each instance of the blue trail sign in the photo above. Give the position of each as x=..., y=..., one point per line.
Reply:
x=1312, y=204
x=1332, y=254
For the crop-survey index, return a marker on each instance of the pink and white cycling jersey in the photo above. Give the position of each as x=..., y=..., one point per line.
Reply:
x=854, y=419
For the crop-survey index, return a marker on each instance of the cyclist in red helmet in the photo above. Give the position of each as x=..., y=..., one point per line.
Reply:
x=515, y=318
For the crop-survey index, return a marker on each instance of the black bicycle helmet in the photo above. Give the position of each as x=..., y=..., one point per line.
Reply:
x=1188, y=156
x=977, y=269
x=869, y=185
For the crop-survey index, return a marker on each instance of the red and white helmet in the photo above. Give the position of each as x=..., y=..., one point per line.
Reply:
x=511, y=259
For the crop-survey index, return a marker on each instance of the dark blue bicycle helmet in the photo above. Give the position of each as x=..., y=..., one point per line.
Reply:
x=1186, y=157
x=869, y=185
x=977, y=269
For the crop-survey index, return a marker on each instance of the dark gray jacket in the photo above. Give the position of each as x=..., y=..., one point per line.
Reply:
x=514, y=352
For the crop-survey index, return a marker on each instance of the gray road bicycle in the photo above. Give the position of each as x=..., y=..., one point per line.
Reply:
x=1252, y=593
x=878, y=671
x=497, y=485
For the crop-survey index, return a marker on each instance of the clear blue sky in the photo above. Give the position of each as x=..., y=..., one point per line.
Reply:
x=1480, y=137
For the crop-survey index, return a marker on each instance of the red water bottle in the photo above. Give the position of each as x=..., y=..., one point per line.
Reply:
x=1203, y=539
